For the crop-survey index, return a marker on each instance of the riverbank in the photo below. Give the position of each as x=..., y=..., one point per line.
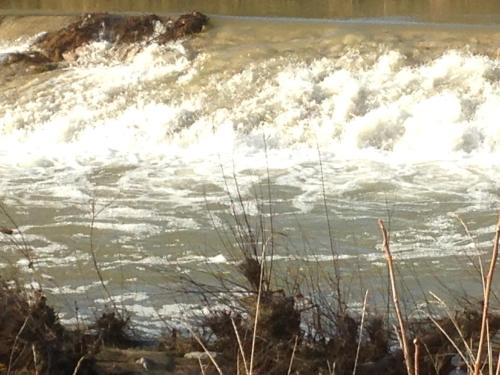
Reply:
x=259, y=329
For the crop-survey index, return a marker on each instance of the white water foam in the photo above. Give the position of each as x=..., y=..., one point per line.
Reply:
x=377, y=107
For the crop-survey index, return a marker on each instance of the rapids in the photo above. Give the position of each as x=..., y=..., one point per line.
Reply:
x=399, y=118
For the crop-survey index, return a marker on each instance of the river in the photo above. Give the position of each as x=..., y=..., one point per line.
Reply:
x=395, y=110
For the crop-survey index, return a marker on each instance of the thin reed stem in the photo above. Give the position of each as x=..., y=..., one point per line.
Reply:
x=35, y=358
x=97, y=269
x=360, y=333
x=79, y=364
x=293, y=356
x=14, y=345
x=202, y=369
x=335, y=257
x=210, y=356
x=395, y=299
x=271, y=215
x=240, y=346
x=416, y=344
x=466, y=345
x=452, y=342
x=487, y=291
x=257, y=308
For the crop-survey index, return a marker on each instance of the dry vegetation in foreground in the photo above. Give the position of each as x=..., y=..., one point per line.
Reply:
x=262, y=329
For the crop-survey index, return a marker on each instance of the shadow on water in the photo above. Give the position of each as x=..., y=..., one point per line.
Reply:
x=482, y=11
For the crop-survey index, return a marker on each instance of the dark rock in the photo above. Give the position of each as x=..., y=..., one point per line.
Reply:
x=93, y=27
x=190, y=23
x=56, y=46
x=185, y=25
x=117, y=29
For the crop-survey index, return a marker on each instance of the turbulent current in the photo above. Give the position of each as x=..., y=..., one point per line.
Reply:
x=399, y=119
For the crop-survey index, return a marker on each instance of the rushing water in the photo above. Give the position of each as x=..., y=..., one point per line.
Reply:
x=404, y=114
